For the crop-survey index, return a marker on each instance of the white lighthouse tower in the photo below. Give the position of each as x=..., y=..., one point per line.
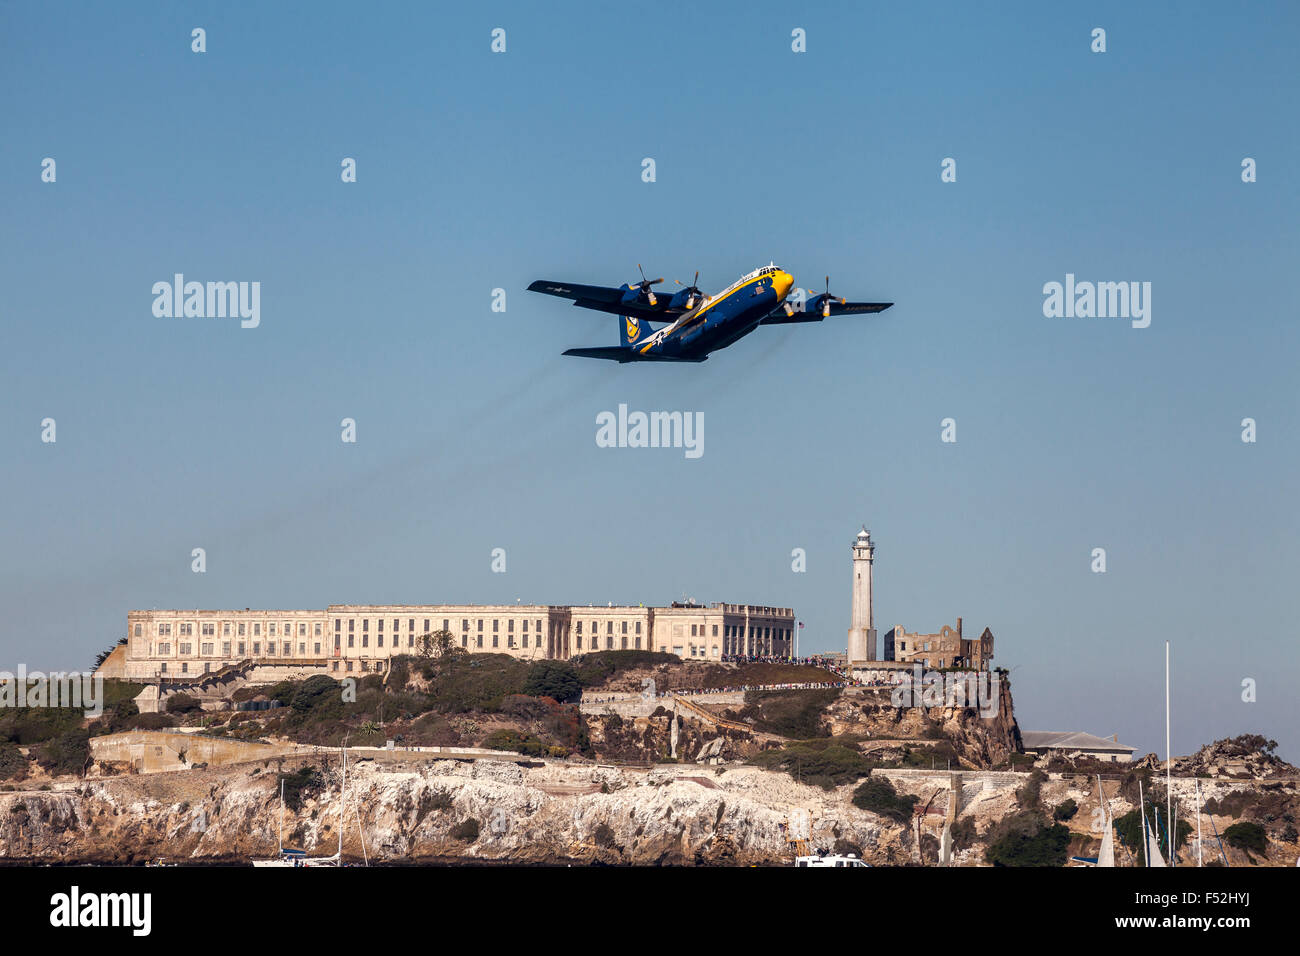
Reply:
x=862, y=636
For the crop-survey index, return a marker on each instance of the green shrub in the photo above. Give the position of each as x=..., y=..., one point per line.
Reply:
x=304, y=782
x=604, y=835
x=13, y=764
x=963, y=833
x=790, y=713
x=555, y=679
x=826, y=763
x=514, y=740
x=1065, y=810
x=66, y=754
x=182, y=704
x=1025, y=839
x=598, y=666
x=1247, y=836
x=877, y=795
x=1029, y=796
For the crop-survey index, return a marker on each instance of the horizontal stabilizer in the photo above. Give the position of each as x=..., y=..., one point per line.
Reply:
x=618, y=354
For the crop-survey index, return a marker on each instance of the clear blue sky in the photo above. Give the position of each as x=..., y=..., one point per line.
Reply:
x=478, y=171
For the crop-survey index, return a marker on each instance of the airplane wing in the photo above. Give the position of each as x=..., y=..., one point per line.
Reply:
x=621, y=354
x=606, y=299
x=815, y=315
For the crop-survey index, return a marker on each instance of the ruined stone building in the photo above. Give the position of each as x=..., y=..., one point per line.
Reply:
x=948, y=648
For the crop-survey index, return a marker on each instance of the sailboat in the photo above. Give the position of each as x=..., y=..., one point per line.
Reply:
x=291, y=857
x=1106, y=857
x=1149, y=841
x=945, y=845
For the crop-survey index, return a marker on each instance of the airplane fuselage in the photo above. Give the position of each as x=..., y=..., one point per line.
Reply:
x=720, y=319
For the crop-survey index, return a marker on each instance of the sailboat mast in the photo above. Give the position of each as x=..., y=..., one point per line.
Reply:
x=1198, y=823
x=1169, y=762
x=1142, y=815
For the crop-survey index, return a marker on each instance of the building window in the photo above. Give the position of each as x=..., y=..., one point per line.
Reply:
x=352, y=640
x=205, y=649
x=240, y=629
x=338, y=624
x=270, y=629
x=165, y=648
x=317, y=649
x=225, y=648
x=240, y=652
x=257, y=647
x=715, y=630
x=257, y=629
x=480, y=640
x=638, y=629
x=464, y=624
x=495, y=622
x=317, y=632
x=495, y=641
x=578, y=639
x=139, y=630
x=164, y=667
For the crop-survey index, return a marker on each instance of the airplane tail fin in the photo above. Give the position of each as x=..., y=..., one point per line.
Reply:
x=632, y=331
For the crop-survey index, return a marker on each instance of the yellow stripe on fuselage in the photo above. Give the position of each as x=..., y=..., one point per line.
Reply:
x=698, y=315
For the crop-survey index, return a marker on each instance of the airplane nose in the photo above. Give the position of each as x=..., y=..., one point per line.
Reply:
x=783, y=281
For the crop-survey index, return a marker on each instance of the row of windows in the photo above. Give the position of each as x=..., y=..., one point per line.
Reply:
x=209, y=629
x=410, y=640
x=208, y=648
x=609, y=627
x=609, y=642
x=446, y=625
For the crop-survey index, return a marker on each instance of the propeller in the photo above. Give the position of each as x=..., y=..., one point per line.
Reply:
x=644, y=285
x=692, y=290
x=825, y=299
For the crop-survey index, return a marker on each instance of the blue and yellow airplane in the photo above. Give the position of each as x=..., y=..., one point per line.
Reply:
x=697, y=323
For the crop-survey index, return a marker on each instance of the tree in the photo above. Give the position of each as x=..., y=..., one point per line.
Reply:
x=555, y=679
x=435, y=644
x=103, y=655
